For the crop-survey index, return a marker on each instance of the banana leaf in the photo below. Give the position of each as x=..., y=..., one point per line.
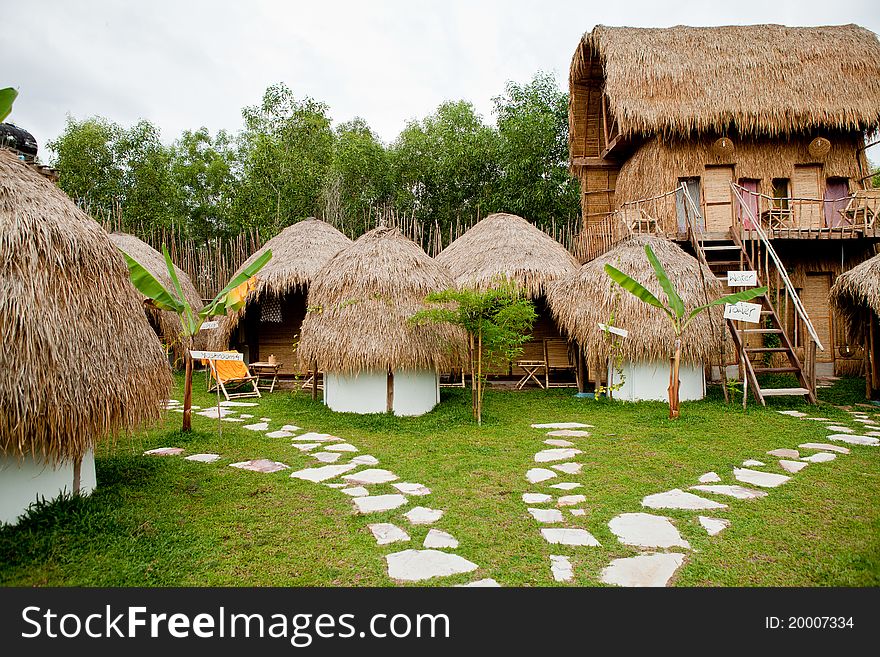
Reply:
x=675, y=302
x=7, y=97
x=637, y=289
x=744, y=295
x=147, y=285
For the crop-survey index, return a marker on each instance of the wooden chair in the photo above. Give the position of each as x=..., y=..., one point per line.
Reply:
x=234, y=374
x=865, y=203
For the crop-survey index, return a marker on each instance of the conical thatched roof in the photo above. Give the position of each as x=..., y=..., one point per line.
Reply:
x=360, y=302
x=856, y=291
x=168, y=322
x=298, y=253
x=78, y=358
x=581, y=301
x=507, y=246
x=758, y=79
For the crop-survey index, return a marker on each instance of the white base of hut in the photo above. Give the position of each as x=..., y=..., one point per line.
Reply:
x=650, y=381
x=24, y=482
x=415, y=392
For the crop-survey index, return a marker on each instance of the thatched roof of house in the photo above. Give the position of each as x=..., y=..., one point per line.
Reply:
x=758, y=79
x=167, y=322
x=588, y=297
x=359, y=304
x=855, y=292
x=505, y=246
x=78, y=358
x=298, y=253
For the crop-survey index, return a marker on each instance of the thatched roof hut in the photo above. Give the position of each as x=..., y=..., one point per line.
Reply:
x=588, y=297
x=166, y=322
x=856, y=292
x=79, y=359
x=298, y=253
x=360, y=302
x=505, y=246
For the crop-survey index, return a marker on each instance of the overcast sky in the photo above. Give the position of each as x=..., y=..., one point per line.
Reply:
x=185, y=64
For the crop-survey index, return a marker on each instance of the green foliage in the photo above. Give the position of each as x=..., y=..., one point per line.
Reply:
x=7, y=98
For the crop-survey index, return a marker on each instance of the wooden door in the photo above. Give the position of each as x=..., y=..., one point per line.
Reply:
x=836, y=199
x=749, y=194
x=816, y=295
x=805, y=190
x=719, y=199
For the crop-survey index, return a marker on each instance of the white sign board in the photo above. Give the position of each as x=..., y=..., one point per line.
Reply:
x=209, y=325
x=216, y=355
x=743, y=311
x=614, y=329
x=742, y=278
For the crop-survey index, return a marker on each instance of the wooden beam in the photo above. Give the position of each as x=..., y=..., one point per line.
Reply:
x=604, y=103
x=595, y=162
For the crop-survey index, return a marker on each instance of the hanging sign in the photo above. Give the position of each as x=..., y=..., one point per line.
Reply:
x=614, y=329
x=743, y=311
x=217, y=355
x=209, y=325
x=742, y=278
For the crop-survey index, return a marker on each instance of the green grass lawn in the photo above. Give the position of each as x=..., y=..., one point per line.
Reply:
x=164, y=521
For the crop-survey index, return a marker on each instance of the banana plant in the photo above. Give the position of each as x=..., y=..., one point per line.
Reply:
x=675, y=310
x=7, y=97
x=230, y=298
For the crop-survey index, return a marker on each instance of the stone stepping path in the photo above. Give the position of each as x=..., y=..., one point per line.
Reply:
x=203, y=458
x=646, y=530
x=569, y=468
x=792, y=466
x=826, y=447
x=164, y=451
x=567, y=536
x=752, y=463
x=713, y=526
x=709, y=478
x=546, y=516
x=820, y=457
x=412, y=489
x=537, y=475
x=355, y=491
x=327, y=457
x=422, y=515
x=571, y=500
x=570, y=433
x=785, y=453
x=560, y=567
x=558, y=442
x=260, y=465
x=566, y=485
x=536, y=498
x=758, y=478
x=852, y=439
x=679, y=499
x=738, y=492
x=278, y=434
x=377, y=503
x=561, y=454
x=385, y=533
x=644, y=570
x=480, y=583
x=839, y=429
x=440, y=539
x=563, y=425
x=259, y=426
x=371, y=476
x=419, y=565
x=318, y=475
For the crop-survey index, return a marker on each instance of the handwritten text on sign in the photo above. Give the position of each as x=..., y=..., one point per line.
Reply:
x=209, y=325
x=742, y=278
x=216, y=355
x=614, y=329
x=743, y=311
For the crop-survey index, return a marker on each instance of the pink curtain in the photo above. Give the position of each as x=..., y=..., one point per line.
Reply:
x=750, y=196
x=836, y=198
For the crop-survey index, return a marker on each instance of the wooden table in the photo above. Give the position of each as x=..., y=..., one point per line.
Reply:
x=263, y=370
x=531, y=367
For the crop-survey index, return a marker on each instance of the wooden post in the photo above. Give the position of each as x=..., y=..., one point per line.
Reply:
x=812, y=366
x=673, y=381
x=314, y=380
x=389, y=395
x=581, y=370
x=188, y=392
x=875, y=375
x=77, y=475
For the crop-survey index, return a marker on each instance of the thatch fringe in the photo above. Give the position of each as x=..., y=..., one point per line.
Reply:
x=80, y=361
x=755, y=79
x=507, y=247
x=359, y=304
x=856, y=292
x=588, y=297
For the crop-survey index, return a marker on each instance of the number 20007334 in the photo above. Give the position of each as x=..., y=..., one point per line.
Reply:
x=808, y=622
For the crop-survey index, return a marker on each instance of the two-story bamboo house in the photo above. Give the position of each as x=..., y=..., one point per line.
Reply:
x=747, y=145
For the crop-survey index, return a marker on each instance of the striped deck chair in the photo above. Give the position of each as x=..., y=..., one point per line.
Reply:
x=233, y=374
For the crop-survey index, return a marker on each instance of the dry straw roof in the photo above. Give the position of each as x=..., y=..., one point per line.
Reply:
x=78, y=357
x=360, y=303
x=582, y=300
x=298, y=253
x=855, y=292
x=507, y=246
x=168, y=322
x=762, y=79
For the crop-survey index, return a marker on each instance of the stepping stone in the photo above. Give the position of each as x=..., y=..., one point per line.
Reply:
x=825, y=446
x=245, y=416
x=758, y=478
x=738, y=492
x=646, y=530
x=558, y=442
x=566, y=485
x=371, y=476
x=571, y=433
x=422, y=515
x=679, y=499
x=305, y=447
x=203, y=458
x=313, y=437
x=365, y=459
x=259, y=426
x=548, y=516
x=481, y=583
x=193, y=407
x=548, y=455
x=863, y=420
x=578, y=512
x=563, y=425
x=537, y=475
x=265, y=419
x=326, y=457
x=792, y=466
x=238, y=403
x=559, y=536
x=785, y=453
x=854, y=440
x=261, y=465
x=289, y=427
x=323, y=473
x=820, y=457
x=279, y=434
x=872, y=433
x=412, y=489
x=419, y=565
x=356, y=491
x=342, y=447
x=792, y=413
x=536, y=498
x=818, y=419
x=714, y=526
x=164, y=451
x=709, y=478
x=213, y=413
x=232, y=419
x=838, y=428
x=752, y=463
x=571, y=500
x=439, y=539
x=385, y=533
x=644, y=570
x=377, y=503
x=560, y=566
x=569, y=468
x=336, y=485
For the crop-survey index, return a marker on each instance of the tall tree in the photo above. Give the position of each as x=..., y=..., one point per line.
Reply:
x=149, y=195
